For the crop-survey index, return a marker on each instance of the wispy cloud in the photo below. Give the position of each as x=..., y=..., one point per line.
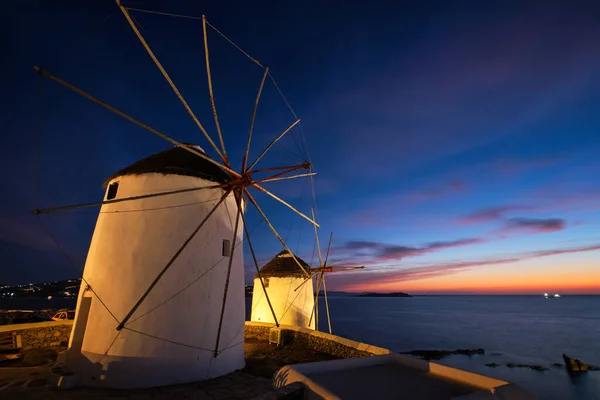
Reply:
x=512, y=166
x=377, y=252
x=490, y=214
x=444, y=190
x=535, y=225
x=391, y=275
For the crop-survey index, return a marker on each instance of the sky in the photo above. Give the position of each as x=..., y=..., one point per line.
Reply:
x=455, y=143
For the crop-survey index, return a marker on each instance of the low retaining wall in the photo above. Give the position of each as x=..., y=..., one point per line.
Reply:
x=41, y=334
x=54, y=333
x=318, y=341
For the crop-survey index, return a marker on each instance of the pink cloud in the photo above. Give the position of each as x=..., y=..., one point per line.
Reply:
x=445, y=190
x=511, y=166
x=376, y=252
x=489, y=214
x=530, y=226
x=351, y=281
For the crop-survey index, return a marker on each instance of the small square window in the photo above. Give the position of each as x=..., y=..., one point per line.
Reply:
x=112, y=191
x=226, y=251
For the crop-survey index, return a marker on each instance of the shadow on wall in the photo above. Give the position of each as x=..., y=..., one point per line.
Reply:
x=300, y=318
x=280, y=378
x=132, y=373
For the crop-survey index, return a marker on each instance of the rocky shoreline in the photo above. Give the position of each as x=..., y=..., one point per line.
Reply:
x=430, y=355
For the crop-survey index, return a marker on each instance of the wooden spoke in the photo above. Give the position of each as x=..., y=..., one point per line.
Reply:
x=262, y=282
x=171, y=261
x=326, y=305
x=279, y=174
x=306, y=280
x=271, y=144
x=315, y=312
x=256, y=185
x=286, y=177
x=260, y=89
x=317, y=239
x=131, y=119
x=168, y=78
x=233, y=246
x=210, y=92
x=101, y=203
x=328, y=248
x=253, y=201
x=304, y=165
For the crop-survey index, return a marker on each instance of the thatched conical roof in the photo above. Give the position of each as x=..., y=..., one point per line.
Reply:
x=174, y=161
x=283, y=266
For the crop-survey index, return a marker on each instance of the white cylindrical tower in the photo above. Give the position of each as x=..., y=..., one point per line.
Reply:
x=171, y=337
x=281, y=276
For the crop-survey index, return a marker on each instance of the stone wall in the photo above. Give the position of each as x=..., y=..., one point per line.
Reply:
x=54, y=333
x=41, y=334
x=318, y=341
x=257, y=330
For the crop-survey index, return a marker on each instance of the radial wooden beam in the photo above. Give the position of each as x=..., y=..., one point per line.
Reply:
x=328, y=248
x=168, y=78
x=312, y=211
x=326, y=305
x=306, y=280
x=315, y=311
x=260, y=89
x=210, y=92
x=131, y=119
x=271, y=145
x=340, y=268
x=231, y=253
x=253, y=201
x=304, y=165
x=280, y=174
x=124, y=199
x=265, y=191
x=286, y=177
x=171, y=261
x=262, y=282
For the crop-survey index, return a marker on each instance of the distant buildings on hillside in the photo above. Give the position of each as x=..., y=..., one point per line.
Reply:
x=61, y=289
x=58, y=289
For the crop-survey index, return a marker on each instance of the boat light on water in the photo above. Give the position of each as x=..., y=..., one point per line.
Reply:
x=555, y=296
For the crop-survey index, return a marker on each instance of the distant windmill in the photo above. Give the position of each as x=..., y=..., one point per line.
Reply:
x=319, y=273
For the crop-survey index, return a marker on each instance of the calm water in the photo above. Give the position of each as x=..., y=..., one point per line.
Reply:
x=518, y=329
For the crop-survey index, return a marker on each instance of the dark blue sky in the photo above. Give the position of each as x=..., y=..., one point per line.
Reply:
x=455, y=142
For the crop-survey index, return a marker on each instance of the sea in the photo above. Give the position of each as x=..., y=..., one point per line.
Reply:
x=511, y=329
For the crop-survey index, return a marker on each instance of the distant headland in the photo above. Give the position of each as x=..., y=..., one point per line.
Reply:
x=373, y=294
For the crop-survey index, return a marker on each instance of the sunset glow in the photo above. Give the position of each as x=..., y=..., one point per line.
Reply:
x=456, y=147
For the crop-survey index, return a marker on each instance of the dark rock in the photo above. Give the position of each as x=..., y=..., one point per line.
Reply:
x=538, y=367
x=556, y=364
x=574, y=365
x=535, y=367
x=439, y=354
x=492, y=365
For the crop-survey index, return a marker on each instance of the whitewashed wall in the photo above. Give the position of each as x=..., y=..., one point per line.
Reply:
x=132, y=243
x=291, y=307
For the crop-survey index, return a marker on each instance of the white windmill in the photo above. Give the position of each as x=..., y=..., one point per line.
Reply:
x=289, y=295
x=162, y=299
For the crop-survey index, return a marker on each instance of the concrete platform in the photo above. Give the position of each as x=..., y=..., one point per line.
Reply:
x=394, y=376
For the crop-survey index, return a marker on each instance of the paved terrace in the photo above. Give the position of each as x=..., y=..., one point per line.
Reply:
x=32, y=377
